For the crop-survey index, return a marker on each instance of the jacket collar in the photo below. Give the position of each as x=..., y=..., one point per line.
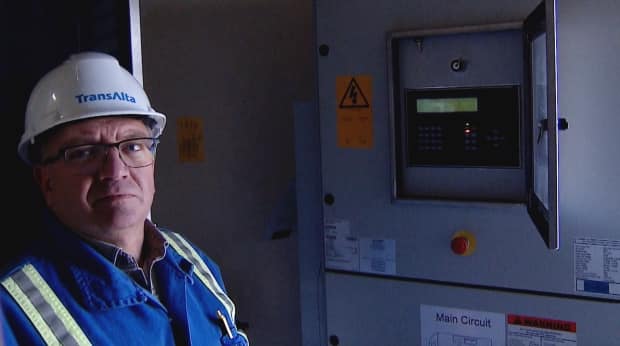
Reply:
x=97, y=281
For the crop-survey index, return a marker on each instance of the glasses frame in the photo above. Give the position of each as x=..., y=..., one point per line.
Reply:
x=62, y=153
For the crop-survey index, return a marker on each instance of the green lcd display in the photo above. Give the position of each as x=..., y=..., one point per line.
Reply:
x=447, y=105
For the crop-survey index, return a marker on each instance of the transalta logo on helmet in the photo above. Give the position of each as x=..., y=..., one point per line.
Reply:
x=121, y=96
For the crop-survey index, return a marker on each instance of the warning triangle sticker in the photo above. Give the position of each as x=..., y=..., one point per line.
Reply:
x=353, y=96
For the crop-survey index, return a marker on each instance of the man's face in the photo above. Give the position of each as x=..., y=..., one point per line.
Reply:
x=110, y=200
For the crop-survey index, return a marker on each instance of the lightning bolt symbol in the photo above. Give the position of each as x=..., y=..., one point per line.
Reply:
x=353, y=94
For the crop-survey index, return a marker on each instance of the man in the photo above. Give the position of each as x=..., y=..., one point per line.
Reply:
x=104, y=274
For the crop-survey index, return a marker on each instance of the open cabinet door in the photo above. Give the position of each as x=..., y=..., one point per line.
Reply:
x=541, y=116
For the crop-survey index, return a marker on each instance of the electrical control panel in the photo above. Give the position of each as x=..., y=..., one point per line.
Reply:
x=476, y=127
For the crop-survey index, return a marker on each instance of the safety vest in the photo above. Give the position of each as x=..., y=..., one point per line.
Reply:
x=54, y=322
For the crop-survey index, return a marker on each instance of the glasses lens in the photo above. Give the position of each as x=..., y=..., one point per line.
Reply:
x=138, y=152
x=84, y=154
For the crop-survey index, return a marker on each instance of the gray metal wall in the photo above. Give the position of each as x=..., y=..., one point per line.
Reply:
x=369, y=310
x=240, y=66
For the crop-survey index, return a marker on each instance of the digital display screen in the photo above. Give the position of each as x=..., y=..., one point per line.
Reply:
x=447, y=105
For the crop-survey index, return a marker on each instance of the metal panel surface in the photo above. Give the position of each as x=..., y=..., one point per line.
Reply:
x=359, y=179
x=511, y=270
x=392, y=316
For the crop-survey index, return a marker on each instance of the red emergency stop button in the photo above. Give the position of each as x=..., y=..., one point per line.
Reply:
x=459, y=245
x=463, y=243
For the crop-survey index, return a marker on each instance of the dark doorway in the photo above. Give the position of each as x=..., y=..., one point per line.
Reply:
x=38, y=35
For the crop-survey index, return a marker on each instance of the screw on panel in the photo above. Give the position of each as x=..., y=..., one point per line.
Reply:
x=418, y=42
x=458, y=64
x=323, y=50
x=329, y=199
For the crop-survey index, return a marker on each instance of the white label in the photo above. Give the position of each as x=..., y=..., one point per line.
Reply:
x=597, y=266
x=341, y=249
x=442, y=326
x=378, y=256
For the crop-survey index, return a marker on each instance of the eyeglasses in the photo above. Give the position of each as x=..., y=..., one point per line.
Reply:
x=87, y=158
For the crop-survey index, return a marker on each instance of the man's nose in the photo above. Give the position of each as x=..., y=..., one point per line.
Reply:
x=112, y=165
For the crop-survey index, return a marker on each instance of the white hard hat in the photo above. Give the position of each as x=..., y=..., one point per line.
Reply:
x=87, y=85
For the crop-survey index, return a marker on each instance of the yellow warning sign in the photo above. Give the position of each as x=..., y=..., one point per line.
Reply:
x=354, y=111
x=190, y=139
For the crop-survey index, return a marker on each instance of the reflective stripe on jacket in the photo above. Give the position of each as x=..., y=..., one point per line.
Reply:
x=43, y=308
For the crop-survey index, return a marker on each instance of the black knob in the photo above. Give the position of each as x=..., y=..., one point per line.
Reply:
x=329, y=199
x=333, y=340
x=562, y=124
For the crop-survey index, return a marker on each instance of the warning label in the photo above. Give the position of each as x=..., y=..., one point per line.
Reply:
x=354, y=97
x=528, y=330
x=354, y=111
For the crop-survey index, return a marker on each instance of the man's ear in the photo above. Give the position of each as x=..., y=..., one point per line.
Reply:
x=42, y=179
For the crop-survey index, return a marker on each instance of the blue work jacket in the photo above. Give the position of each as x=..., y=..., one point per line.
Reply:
x=111, y=308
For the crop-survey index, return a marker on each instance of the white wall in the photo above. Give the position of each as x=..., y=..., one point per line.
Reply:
x=239, y=66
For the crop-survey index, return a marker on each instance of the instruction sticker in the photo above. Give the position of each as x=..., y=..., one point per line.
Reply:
x=341, y=249
x=378, y=256
x=597, y=266
x=354, y=111
x=190, y=139
x=443, y=326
